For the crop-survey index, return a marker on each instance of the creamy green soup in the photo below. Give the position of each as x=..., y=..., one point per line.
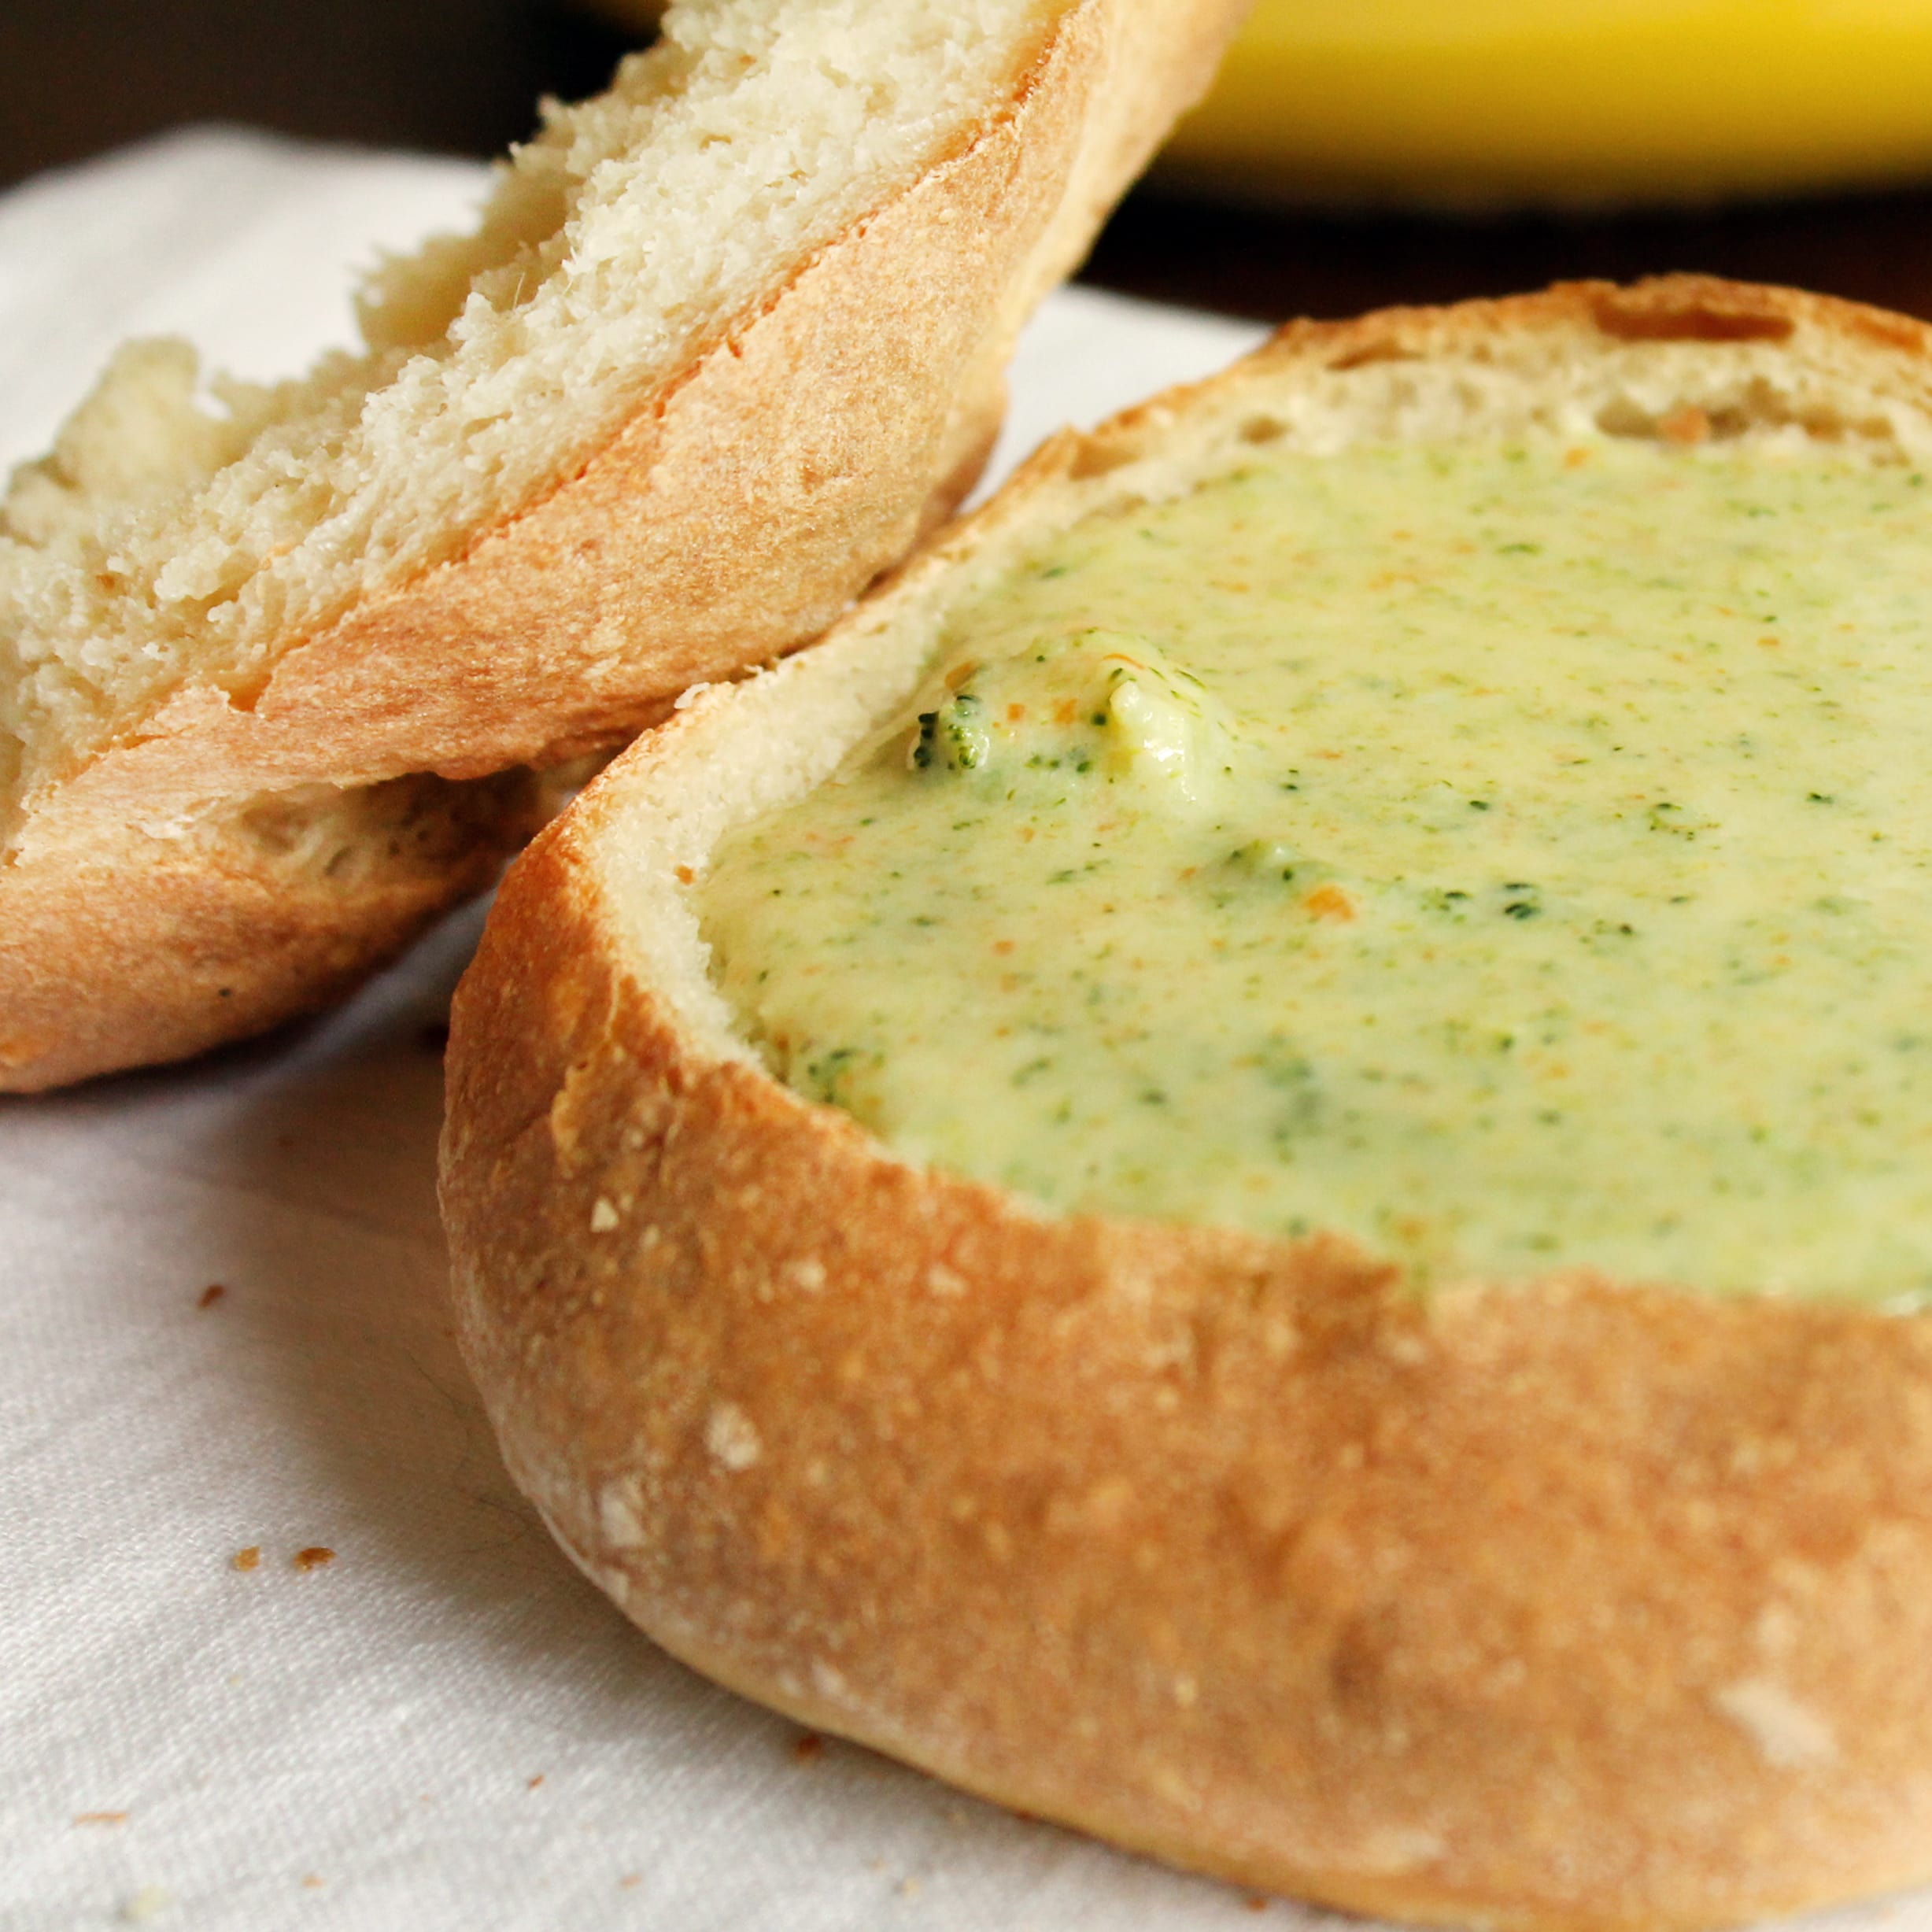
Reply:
x=1512, y=856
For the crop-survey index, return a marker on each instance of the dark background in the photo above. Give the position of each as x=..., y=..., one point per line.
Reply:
x=462, y=75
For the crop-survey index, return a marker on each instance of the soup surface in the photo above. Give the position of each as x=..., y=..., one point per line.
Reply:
x=1513, y=856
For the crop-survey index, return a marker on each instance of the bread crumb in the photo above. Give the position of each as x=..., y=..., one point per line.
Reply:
x=630, y=1880
x=100, y=1818
x=731, y=1436
x=602, y=1215
x=210, y=1295
x=685, y=875
x=532, y=1783
x=312, y=1883
x=808, y=1749
x=248, y=1559
x=148, y=1903
x=908, y=1888
x=314, y=1556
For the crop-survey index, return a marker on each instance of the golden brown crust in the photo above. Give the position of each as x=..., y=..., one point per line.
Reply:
x=137, y=948
x=1578, y=1604
x=734, y=516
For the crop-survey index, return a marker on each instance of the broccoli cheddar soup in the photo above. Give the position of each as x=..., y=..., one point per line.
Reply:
x=1511, y=855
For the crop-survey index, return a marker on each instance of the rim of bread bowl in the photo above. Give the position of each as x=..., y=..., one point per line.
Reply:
x=1578, y=1603
x=1679, y=358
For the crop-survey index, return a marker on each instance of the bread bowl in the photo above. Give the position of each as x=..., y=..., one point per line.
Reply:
x=734, y=331
x=1495, y=1592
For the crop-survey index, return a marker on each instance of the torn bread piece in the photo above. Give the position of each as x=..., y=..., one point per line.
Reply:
x=1527, y=1593
x=727, y=339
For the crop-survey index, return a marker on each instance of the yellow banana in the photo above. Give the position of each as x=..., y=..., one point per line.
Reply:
x=1499, y=102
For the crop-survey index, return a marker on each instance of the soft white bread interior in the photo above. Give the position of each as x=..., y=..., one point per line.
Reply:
x=724, y=339
x=1562, y=1602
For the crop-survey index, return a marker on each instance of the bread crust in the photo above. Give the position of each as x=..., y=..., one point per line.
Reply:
x=135, y=947
x=732, y=517
x=1579, y=1603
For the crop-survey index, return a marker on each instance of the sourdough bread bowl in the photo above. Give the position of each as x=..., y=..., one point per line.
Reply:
x=1460, y=1591
x=727, y=339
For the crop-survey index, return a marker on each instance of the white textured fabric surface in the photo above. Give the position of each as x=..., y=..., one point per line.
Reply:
x=444, y=1727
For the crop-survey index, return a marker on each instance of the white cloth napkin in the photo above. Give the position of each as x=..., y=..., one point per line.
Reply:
x=444, y=1725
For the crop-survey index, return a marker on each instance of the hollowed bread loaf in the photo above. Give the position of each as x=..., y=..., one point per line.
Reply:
x=1467, y=1591
x=727, y=339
